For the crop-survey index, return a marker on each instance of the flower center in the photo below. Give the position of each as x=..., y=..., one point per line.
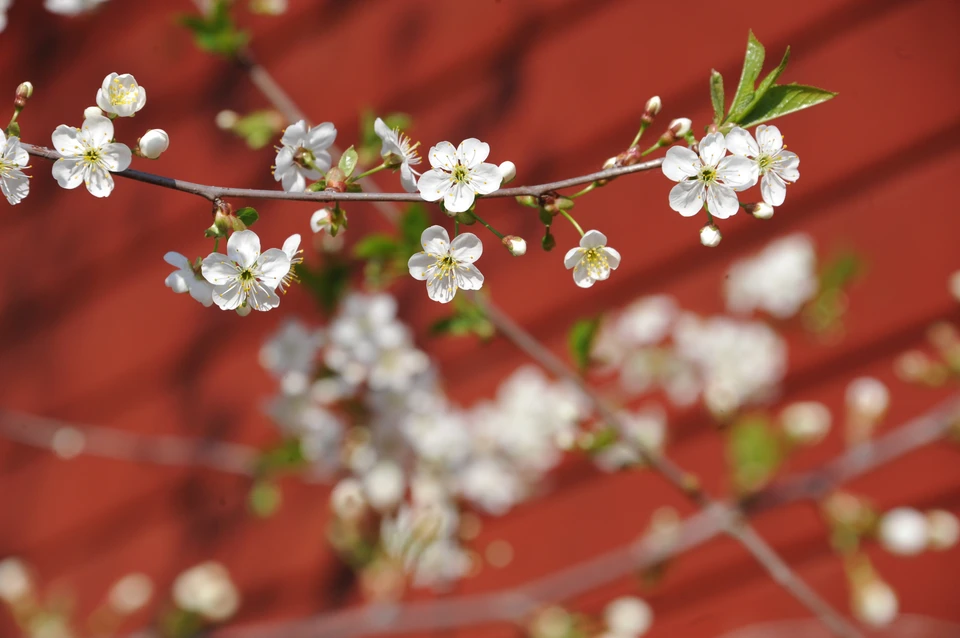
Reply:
x=764, y=162
x=122, y=95
x=304, y=158
x=445, y=263
x=247, y=279
x=596, y=262
x=707, y=174
x=460, y=173
x=91, y=156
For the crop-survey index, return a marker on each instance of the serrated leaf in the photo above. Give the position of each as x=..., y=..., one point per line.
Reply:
x=580, y=340
x=752, y=65
x=782, y=100
x=348, y=162
x=248, y=216
x=754, y=453
x=377, y=246
x=716, y=95
x=763, y=88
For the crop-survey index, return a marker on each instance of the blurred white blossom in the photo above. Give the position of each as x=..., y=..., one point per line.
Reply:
x=903, y=530
x=628, y=617
x=15, y=581
x=875, y=603
x=779, y=280
x=130, y=593
x=207, y=590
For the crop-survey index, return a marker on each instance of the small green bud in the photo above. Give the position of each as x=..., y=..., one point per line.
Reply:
x=546, y=217
x=564, y=203
x=528, y=200
x=548, y=242
x=466, y=218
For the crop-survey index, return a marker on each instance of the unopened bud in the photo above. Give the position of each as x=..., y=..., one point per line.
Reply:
x=244, y=310
x=710, y=236
x=653, y=106
x=516, y=245
x=610, y=163
x=806, y=422
x=531, y=202
x=760, y=210
x=508, y=171
x=321, y=220
x=466, y=218
x=680, y=126
x=548, y=242
x=336, y=180
x=227, y=119
x=92, y=111
x=24, y=91
x=153, y=143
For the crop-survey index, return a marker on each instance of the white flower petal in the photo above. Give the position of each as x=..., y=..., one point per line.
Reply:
x=443, y=156
x=687, y=197
x=228, y=296
x=177, y=282
x=485, y=178
x=787, y=166
x=294, y=135
x=472, y=152
x=177, y=260
x=418, y=264
x=680, y=163
x=243, y=247
x=384, y=132
x=466, y=248
x=441, y=288
x=712, y=149
x=770, y=139
x=593, y=239
x=739, y=173
x=459, y=198
x=272, y=266
x=218, y=269
x=435, y=240
x=613, y=257
x=262, y=298
x=408, y=178
x=320, y=138
x=66, y=140
x=202, y=291
x=722, y=201
x=581, y=276
x=292, y=180
x=99, y=181
x=740, y=142
x=116, y=157
x=15, y=186
x=469, y=277
x=97, y=130
x=573, y=257
x=434, y=185
x=291, y=245
x=773, y=189
x=68, y=172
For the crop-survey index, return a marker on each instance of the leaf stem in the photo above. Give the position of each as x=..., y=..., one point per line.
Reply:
x=489, y=227
x=572, y=221
x=375, y=169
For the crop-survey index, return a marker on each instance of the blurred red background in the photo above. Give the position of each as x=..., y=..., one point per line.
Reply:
x=90, y=335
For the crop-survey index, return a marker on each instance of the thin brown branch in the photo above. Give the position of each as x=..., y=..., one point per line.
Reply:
x=516, y=604
x=213, y=192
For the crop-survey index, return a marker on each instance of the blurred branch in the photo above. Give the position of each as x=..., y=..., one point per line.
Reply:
x=516, y=604
x=213, y=192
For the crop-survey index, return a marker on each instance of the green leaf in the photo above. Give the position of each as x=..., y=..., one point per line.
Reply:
x=348, y=162
x=288, y=455
x=581, y=338
x=716, y=95
x=752, y=65
x=259, y=128
x=215, y=31
x=248, y=216
x=782, y=100
x=376, y=246
x=264, y=498
x=765, y=85
x=754, y=453
x=415, y=220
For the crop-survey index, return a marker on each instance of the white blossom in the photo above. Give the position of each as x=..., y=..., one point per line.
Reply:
x=4, y=7
x=14, y=183
x=680, y=126
x=628, y=617
x=153, y=143
x=459, y=175
x=15, y=581
x=943, y=529
x=89, y=155
x=710, y=179
x=592, y=261
x=806, y=422
x=903, y=531
x=347, y=499
x=365, y=327
x=445, y=265
x=653, y=105
x=776, y=166
x=207, y=590
x=647, y=320
x=516, y=245
x=398, y=152
x=710, y=236
x=71, y=7
x=244, y=276
x=130, y=593
x=384, y=485
x=186, y=279
x=867, y=397
x=641, y=431
x=121, y=95
x=875, y=603
x=292, y=349
x=397, y=368
x=319, y=430
x=778, y=280
x=491, y=484
x=291, y=248
x=303, y=155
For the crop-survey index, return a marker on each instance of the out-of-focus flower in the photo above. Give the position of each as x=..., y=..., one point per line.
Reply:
x=806, y=422
x=186, y=279
x=121, y=95
x=943, y=529
x=207, y=590
x=445, y=265
x=71, y=7
x=710, y=179
x=777, y=167
x=628, y=617
x=398, y=152
x=130, y=593
x=245, y=276
x=779, y=280
x=347, y=499
x=491, y=484
x=384, y=485
x=639, y=432
x=303, y=155
x=88, y=155
x=593, y=260
x=875, y=603
x=903, y=530
x=269, y=7
x=954, y=285
x=459, y=175
x=292, y=349
x=14, y=183
x=867, y=397
x=15, y=581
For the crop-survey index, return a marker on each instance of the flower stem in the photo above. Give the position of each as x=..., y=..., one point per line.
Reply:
x=572, y=221
x=651, y=149
x=375, y=169
x=584, y=191
x=643, y=128
x=456, y=227
x=216, y=244
x=489, y=227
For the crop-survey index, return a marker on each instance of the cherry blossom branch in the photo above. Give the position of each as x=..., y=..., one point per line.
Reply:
x=516, y=604
x=213, y=192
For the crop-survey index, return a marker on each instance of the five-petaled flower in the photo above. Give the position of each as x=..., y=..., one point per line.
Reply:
x=710, y=178
x=303, y=155
x=592, y=261
x=13, y=159
x=121, y=95
x=244, y=276
x=89, y=155
x=459, y=175
x=446, y=266
x=777, y=167
x=186, y=279
x=398, y=152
